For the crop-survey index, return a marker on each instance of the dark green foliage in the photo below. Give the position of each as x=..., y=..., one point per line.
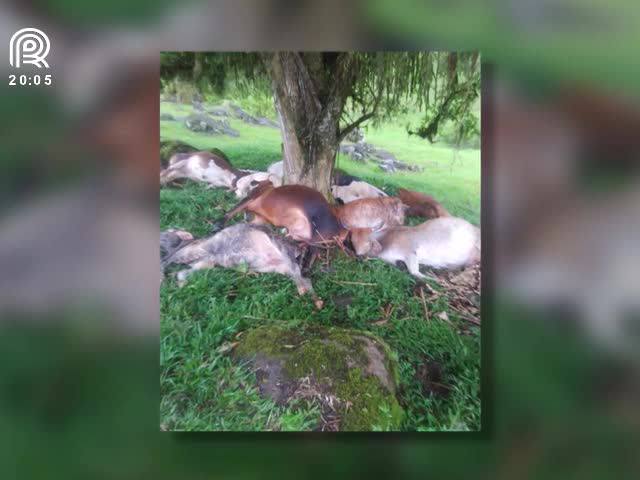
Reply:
x=382, y=85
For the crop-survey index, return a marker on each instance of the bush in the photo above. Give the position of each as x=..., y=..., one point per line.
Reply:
x=448, y=134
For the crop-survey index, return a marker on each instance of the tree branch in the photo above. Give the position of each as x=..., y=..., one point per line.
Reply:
x=341, y=88
x=352, y=126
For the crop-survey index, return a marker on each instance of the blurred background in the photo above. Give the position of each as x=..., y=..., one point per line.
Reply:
x=79, y=270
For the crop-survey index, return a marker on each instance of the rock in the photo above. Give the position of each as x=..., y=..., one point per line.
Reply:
x=218, y=112
x=242, y=115
x=389, y=163
x=362, y=151
x=239, y=113
x=387, y=167
x=199, y=122
x=351, y=374
x=267, y=122
x=355, y=136
x=167, y=117
x=359, y=152
x=385, y=155
x=346, y=149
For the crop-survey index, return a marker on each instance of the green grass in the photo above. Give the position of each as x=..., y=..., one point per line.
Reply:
x=202, y=389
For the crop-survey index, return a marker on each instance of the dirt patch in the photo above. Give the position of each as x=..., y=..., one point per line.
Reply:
x=330, y=405
x=272, y=382
x=460, y=287
x=430, y=376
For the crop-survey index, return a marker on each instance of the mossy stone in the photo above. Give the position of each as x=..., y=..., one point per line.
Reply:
x=355, y=367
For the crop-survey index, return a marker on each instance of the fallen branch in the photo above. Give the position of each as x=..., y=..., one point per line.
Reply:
x=466, y=316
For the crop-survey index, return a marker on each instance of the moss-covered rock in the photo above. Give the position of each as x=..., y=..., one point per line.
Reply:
x=170, y=147
x=352, y=374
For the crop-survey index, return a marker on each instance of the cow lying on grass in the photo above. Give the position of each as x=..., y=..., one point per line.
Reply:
x=356, y=190
x=347, y=188
x=373, y=213
x=448, y=242
x=241, y=244
x=421, y=205
x=246, y=184
x=201, y=167
x=303, y=211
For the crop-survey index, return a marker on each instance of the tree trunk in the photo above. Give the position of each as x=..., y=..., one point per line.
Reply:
x=310, y=91
x=307, y=161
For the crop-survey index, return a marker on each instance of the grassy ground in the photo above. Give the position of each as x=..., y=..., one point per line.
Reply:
x=203, y=389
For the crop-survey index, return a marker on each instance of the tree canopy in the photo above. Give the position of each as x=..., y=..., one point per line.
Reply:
x=377, y=86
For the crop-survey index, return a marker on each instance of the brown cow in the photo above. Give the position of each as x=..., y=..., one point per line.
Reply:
x=374, y=213
x=303, y=211
x=422, y=205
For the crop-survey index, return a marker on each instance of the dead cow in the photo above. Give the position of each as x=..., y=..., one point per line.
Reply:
x=374, y=213
x=172, y=240
x=243, y=244
x=355, y=190
x=422, y=205
x=201, y=167
x=246, y=184
x=342, y=178
x=448, y=242
x=303, y=211
x=276, y=169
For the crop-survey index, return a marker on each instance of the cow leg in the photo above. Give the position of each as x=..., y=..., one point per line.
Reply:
x=304, y=286
x=170, y=174
x=182, y=275
x=346, y=246
x=300, y=229
x=308, y=258
x=414, y=267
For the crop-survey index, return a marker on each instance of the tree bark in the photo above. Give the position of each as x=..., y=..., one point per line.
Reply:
x=310, y=91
